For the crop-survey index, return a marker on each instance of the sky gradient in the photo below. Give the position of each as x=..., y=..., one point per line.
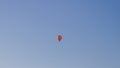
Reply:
x=90, y=30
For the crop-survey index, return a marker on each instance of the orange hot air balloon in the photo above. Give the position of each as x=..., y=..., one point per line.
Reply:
x=59, y=38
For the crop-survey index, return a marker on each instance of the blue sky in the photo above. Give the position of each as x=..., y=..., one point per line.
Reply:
x=90, y=30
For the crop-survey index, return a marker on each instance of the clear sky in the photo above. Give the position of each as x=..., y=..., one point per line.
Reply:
x=90, y=30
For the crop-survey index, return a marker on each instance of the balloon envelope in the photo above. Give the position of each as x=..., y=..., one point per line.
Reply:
x=59, y=38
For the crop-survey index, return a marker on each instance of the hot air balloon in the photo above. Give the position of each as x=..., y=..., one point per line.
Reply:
x=59, y=38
